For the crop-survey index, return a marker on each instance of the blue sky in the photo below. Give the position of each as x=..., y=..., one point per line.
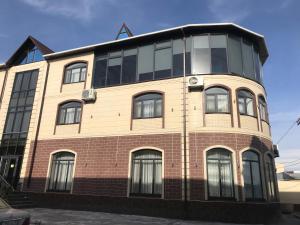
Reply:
x=65, y=24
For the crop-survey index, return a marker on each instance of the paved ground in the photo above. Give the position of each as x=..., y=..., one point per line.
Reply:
x=69, y=217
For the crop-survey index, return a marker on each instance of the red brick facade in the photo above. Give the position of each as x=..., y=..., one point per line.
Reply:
x=102, y=163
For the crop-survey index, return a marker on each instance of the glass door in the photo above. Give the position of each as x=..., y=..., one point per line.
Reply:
x=8, y=168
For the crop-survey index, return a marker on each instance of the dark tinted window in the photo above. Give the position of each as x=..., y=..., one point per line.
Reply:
x=218, y=44
x=248, y=60
x=129, y=66
x=178, y=49
x=148, y=106
x=235, y=55
x=163, y=62
x=100, y=72
x=146, y=63
x=114, y=71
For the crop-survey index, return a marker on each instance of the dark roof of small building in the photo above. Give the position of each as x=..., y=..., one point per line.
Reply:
x=29, y=40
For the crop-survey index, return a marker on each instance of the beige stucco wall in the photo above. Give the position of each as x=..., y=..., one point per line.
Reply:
x=289, y=191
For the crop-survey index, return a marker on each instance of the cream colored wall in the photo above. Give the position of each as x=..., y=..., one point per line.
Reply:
x=222, y=122
x=42, y=67
x=289, y=191
x=110, y=115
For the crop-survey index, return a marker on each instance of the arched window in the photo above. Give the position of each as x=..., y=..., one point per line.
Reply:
x=252, y=176
x=61, y=173
x=217, y=100
x=263, y=108
x=270, y=176
x=148, y=106
x=220, y=174
x=246, y=103
x=69, y=113
x=146, y=173
x=75, y=73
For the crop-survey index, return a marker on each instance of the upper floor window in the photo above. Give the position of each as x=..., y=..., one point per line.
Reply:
x=217, y=100
x=148, y=106
x=263, y=108
x=69, y=113
x=75, y=73
x=30, y=55
x=246, y=103
x=270, y=177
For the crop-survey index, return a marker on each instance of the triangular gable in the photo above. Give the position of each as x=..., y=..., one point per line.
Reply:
x=124, y=32
x=30, y=51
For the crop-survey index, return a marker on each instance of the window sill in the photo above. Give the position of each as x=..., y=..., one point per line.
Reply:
x=154, y=196
x=222, y=113
x=65, y=124
x=146, y=118
x=58, y=192
x=248, y=115
x=74, y=82
x=220, y=199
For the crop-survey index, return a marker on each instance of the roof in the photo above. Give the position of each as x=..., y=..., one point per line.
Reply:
x=29, y=40
x=180, y=31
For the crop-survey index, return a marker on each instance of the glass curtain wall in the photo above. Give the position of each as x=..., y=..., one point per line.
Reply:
x=204, y=54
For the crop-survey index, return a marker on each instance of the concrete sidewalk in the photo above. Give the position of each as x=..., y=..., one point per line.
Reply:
x=70, y=217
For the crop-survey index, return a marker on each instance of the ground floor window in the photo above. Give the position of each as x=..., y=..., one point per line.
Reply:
x=270, y=176
x=61, y=174
x=146, y=173
x=220, y=174
x=252, y=176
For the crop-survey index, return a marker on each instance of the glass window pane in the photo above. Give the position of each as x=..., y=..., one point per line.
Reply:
x=100, y=73
x=78, y=115
x=145, y=62
x=219, y=60
x=62, y=115
x=138, y=110
x=18, y=82
x=163, y=44
x=114, y=71
x=26, y=121
x=26, y=80
x=249, y=106
x=257, y=189
x=218, y=41
x=213, y=178
x=178, y=47
x=83, y=74
x=129, y=69
x=210, y=103
x=9, y=122
x=235, y=55
x=248, y=60
x=188, y=55
x=242, y=108
x=33, y=80
x=163, y=63
x=226, y=178
x=148, y=108
x=247, y=179
x=75, y=75
x=222, y=103
x=158, y=108
x=201, y=59
x=70, y=115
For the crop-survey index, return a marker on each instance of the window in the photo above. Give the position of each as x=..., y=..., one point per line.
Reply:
x=99, y=78
x=270, y=176
x=235, y=55
x=163, y=60
x=75, y=73
x=201, y=59
x=217, y=100
x=246, y=103
x=30, y=55
x=19, y=110
x=178, y=49
x=248, y=60
x=114, y=68
x=129, y=66
x=145, y=63
x=61, y=173
x=263, y=109
x=148, y=106
x=220, y=174
x=218, y=53
x=69, y=113
x=146, y=173
x=252, y=176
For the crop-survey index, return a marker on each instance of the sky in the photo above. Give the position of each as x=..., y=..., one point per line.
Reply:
x=65, y=24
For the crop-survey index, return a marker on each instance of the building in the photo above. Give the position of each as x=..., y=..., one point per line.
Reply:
x=288, y=185
x=179, y=123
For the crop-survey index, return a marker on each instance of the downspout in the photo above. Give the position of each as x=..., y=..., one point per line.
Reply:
x=38, y=128
x=3, y=86
x=185, y=181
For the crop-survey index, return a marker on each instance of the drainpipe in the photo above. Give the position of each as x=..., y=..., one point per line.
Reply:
x=185, y=182
x=38, y=128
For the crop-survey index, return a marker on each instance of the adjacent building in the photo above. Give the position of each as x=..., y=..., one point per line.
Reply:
x=174, y=115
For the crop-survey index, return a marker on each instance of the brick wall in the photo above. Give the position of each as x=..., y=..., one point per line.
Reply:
x=102, y=164
x=199, y=142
